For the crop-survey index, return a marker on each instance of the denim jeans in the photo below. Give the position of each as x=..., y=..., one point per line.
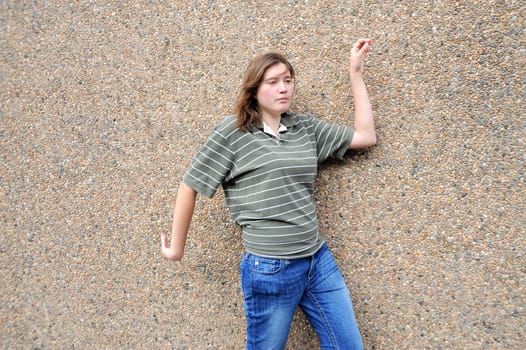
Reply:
x=274, y=288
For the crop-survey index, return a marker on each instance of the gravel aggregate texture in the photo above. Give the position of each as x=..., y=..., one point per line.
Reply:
x=103, y=105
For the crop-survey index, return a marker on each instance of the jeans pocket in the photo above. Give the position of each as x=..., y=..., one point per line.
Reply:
x=263, y=277
x=265, y=266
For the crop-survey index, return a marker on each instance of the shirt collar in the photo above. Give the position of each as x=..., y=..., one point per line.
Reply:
x=287, y=120
x=267, y=129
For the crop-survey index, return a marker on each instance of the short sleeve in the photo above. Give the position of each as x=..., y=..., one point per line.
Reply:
x=331, y=140
x=211, y=165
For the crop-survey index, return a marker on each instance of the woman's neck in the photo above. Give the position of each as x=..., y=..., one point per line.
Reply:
x=272, y=121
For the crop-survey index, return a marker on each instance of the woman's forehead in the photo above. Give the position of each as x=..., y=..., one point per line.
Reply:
x=277, y=70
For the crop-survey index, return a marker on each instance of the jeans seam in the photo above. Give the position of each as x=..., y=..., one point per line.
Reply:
x=325, y=319
x=251, y=301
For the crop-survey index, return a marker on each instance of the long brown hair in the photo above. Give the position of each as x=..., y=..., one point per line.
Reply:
x=247, y=109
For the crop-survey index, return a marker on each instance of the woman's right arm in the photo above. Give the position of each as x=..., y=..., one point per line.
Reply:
x=184, y=209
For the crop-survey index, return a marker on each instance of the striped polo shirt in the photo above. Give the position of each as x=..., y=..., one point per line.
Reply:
x=268, y=181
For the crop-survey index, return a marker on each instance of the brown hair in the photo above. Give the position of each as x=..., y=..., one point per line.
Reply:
x=247, y=109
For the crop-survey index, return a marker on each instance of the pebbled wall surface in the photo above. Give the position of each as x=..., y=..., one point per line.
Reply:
x=103, y=105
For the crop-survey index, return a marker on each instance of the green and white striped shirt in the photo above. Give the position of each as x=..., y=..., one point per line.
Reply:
x=268, y=181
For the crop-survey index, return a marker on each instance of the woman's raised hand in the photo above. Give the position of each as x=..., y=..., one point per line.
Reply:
x=359, y=50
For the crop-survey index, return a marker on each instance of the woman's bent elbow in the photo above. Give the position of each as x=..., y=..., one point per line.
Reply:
x=361, y=141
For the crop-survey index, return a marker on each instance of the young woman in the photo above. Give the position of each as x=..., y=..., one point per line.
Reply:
x=266, y=159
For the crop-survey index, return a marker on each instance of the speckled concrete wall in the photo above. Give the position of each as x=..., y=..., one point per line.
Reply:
x=102, y=107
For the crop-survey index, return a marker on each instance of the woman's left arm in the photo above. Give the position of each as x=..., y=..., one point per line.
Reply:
x=364, y=130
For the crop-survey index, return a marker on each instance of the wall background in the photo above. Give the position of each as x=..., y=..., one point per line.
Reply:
x=102, y=107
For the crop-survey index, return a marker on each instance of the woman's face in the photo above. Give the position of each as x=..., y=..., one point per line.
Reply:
x=275, y=93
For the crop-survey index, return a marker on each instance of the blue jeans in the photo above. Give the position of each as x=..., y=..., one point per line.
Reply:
x=274, y=288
